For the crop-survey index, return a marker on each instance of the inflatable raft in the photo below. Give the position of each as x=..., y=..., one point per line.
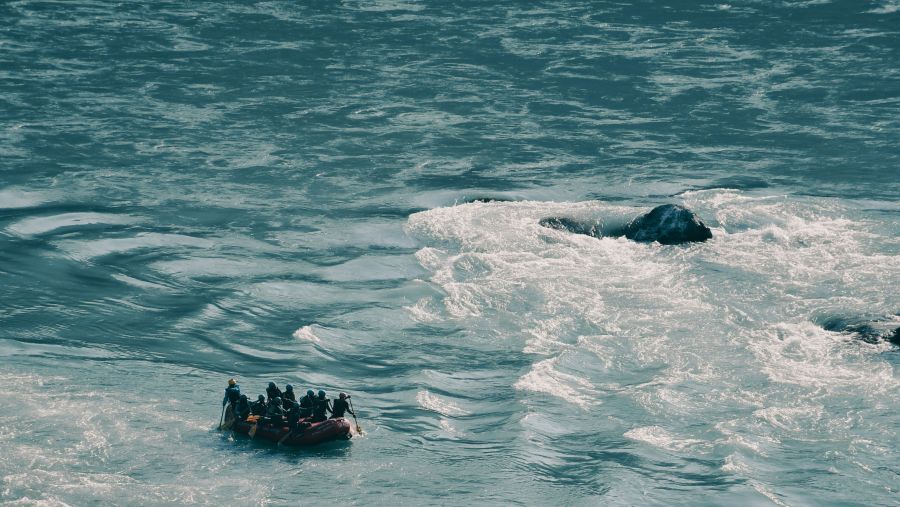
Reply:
x=316, y=433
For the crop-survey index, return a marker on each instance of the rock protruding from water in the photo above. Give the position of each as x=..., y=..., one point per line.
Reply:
x=669, y=224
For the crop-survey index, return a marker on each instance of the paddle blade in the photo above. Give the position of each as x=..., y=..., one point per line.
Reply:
x=221, y=418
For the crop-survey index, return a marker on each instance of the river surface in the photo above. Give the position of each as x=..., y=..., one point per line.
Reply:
x=345, y=195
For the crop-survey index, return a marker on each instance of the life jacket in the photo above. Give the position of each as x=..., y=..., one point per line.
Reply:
x=233, y=393
x=289, y=395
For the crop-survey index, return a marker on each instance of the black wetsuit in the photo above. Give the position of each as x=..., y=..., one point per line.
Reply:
x=273, y=392
x=275, y=413
x=338, y=408
x=288, y=395
x=306, y=406
x=320, y=408
x=293, y=415
x=242, y=410
x=258, y=408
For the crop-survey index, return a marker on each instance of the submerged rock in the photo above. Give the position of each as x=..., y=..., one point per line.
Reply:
x=467, y=200
x=868, y=329
x=668, y=224
x=572, y=225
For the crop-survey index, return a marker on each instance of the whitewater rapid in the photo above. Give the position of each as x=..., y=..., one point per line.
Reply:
x=712, y=350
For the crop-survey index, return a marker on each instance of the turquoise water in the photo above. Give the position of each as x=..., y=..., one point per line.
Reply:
x=293, y=191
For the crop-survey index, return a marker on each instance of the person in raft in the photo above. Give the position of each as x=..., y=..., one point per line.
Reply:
x=275, y=412
x=306, y=403
x=273, y=392
x=288, y=396
x=242, y=409
x=258, y=407
x=321, y=405
x=340, y=406
x=293, y=417
x=232, y=393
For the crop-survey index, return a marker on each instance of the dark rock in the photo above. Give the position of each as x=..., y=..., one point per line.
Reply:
x=866, y=328
x=573, y=225
x=668, y=224
x=467, y=200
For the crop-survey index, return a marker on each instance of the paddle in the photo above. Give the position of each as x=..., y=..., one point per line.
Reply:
x=222, y=418
x=231, y=417
x=286, y=435
x=353, y=413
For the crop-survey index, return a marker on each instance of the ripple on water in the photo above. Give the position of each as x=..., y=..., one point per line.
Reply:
x=86, y=250
x=69, y=221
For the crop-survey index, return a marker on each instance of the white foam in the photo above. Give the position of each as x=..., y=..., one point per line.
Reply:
x=306, y=333
x=449, y=430
x=805, y=354
x=794, y=419
x=734, y=465
x=545, y=378
x=424, y=311
x=440, y=404
x=16, y=198
x=722, y=332
x=888, y=7
x=495, y=262
x=663, y=439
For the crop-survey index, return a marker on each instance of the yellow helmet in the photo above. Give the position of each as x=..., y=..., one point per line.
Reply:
x=231, y=382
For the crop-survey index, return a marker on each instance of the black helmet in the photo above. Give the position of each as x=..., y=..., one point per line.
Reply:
x=288, y=387
x=321, y=394
x=271, y=385
x=261, y=398
x=243, y=397
x=310, y=393
x=342, y=395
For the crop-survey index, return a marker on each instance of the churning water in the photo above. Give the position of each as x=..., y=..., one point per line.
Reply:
x=347, y=194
